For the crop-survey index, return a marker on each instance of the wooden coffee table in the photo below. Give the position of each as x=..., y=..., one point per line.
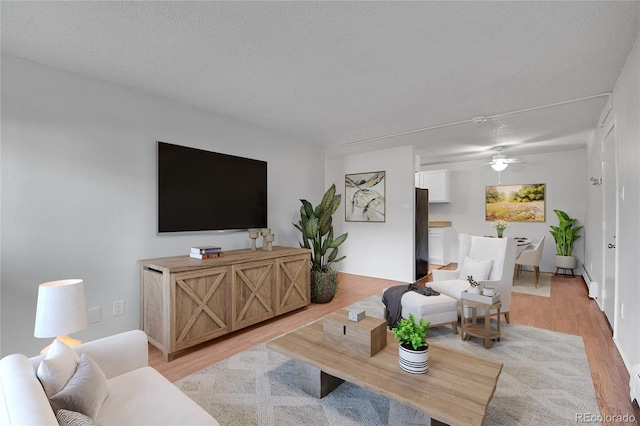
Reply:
x=456, y=390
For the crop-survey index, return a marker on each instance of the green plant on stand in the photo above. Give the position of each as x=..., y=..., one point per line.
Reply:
x=564, y=234
x=317, y=235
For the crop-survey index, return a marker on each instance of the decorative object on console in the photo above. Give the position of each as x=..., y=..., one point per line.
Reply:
x=206, y=252
x=515, y=203
x=61, y=310
x=365, y=197
x=564, y=234
x=413, y=348
x=317, y=235
x=254, y=235
x=267, y=239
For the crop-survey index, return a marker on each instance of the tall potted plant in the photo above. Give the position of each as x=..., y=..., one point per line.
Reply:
x=317, y=234
x=565, y=234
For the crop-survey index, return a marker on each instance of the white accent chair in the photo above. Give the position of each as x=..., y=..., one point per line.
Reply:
x=531, y=257
x=500, y=253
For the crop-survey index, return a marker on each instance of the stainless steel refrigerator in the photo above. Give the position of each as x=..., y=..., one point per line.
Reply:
x=422, y=233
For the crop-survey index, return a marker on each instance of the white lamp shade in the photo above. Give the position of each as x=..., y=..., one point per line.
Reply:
x=61, y=308
x=499, y=165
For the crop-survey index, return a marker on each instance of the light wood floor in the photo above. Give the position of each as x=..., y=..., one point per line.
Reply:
x=568, y=310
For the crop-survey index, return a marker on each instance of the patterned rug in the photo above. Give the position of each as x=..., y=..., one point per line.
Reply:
x=545, y=380
x=526, y=284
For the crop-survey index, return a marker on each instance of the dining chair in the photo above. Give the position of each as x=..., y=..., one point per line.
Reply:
x=531, y=257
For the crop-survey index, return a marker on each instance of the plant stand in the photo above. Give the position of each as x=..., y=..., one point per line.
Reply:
x=564, y=274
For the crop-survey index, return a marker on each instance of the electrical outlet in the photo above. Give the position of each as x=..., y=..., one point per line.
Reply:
x=94, y=314
x=621, y=310
x=118, y=308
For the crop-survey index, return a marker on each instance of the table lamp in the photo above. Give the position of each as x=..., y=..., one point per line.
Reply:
x=61, y=311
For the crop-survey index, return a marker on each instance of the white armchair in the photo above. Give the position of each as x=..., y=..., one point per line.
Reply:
x=491, y=261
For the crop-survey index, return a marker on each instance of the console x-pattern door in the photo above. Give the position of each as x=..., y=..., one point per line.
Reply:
x=201, y=306
x=293, y=287
x=252, y=293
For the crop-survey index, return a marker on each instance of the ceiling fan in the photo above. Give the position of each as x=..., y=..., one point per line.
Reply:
x=500, y=161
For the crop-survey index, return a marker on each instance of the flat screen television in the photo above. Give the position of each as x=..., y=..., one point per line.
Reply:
x=200, y=190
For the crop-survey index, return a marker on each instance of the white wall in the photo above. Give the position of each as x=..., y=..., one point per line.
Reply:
x=626, y=115
x=564, y=176
x=79, y=189
x=382, y=250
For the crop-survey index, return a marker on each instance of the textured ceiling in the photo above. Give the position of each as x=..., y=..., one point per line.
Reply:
x=351, y=75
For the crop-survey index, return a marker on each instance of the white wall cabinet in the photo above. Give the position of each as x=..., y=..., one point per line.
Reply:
x=437, y=182
x=440, y=246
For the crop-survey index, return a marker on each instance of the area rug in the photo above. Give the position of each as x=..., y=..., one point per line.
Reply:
x=526, y=284
x=545, y=380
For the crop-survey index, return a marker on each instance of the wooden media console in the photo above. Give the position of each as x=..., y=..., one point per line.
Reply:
x=186, y=301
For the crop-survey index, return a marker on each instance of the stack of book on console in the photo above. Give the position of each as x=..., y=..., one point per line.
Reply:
x=206, y=252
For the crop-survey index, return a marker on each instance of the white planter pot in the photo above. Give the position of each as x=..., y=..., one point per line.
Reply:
x=411, y=361
x=473, y=290
x=564, y=262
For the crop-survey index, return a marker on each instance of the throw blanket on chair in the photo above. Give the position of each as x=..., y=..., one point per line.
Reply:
x=392, y=299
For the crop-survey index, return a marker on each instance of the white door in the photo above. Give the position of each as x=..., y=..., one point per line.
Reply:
x=610, y=184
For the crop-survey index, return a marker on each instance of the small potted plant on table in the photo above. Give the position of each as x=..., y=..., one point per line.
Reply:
x=414, y=349
x=500, y=226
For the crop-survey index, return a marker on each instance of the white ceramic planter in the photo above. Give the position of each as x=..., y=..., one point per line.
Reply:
x=415, y=362
x=473, y=290
x=564, y=262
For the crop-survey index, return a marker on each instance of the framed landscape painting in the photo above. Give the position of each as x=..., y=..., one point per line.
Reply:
x=364, y=197
x=515, y=203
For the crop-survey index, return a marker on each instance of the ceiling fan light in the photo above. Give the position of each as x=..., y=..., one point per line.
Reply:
x=499, y=165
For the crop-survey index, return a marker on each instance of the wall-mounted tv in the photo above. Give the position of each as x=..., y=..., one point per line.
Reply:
x=200, y=190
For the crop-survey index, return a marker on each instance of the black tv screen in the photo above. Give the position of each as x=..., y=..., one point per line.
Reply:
x=207, y=191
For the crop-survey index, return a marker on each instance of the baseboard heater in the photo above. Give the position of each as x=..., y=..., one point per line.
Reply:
x=592, y=285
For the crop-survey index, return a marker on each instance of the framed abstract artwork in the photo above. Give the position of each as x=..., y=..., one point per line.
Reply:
x=364, y=197
x=515, y=203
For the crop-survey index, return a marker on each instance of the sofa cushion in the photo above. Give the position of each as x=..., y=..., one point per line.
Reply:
x=144, y=397
x=57, y=367
x=420, y=305
x=452, y=288
x=85, y=392
x=73, y=418
x=479, y=269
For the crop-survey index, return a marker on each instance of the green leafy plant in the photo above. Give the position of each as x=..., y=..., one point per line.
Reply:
x=317, y=231
x=410, y=332
x=565, y=233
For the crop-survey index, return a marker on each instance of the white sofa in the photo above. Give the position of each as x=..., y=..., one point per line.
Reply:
x=138, y=394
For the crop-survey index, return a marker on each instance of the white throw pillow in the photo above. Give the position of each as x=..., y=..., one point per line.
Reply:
x=85, y=392
x=57, y=367
x=479, y=269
